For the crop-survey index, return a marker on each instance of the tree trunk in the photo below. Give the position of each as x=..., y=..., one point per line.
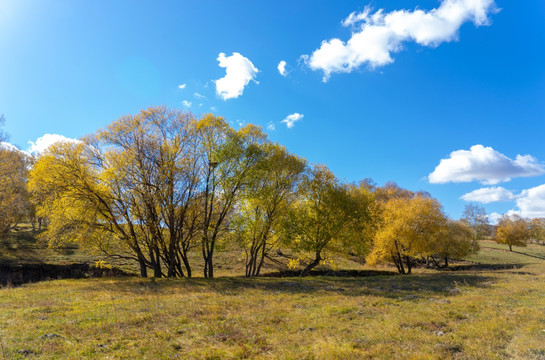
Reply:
x=409, y=265
x=157, y=265
x=312, y=264
x=510, y=247
x=143, y=268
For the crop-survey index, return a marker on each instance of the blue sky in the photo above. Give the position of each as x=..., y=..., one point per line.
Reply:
x=389, y=109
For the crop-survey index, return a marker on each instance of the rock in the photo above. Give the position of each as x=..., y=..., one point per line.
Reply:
x=50, y=336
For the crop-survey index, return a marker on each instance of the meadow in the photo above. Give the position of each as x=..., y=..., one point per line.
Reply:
x=491, y=307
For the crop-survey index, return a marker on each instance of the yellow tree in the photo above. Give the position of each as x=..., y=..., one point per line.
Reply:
x=151, y=161
x=512, y=230
x=536, y=228
x=14, y=201
x=265, y=202
x=131, y=188
x=408, y=228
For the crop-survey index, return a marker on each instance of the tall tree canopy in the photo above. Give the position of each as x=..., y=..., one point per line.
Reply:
x=149, y=187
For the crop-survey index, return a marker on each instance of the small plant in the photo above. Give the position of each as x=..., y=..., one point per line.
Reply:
x=101, y=264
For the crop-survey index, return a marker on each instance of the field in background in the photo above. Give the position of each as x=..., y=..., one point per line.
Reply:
x=494, y=309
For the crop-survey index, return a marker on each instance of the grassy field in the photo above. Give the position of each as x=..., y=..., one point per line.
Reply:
x=477, y=313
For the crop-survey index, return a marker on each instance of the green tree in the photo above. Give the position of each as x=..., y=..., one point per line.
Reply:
x=322, y=220
x=265, y=202
x=454, y=241
x=228, y=160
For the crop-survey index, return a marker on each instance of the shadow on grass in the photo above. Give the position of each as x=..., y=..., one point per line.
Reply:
x=481, y=267
x=393, y=287
x=516, y=252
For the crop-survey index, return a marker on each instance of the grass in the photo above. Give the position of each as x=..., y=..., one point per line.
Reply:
x=467, y=314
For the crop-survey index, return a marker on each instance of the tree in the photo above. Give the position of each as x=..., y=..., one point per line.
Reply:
x=408, y=229
x=129, y=189
x=323, y=219
x=228, y=160
x=14, y=200
x=454, y=241
x=512, y=230
x=477, y=219
x=536, y=229
x=265, y=202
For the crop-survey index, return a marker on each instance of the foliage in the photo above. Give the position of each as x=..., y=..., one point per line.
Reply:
x=512, y=230
x=410, y=226
x=228, y=162
x=536, y=228
x=14, y=200
x=265, y=203
x=325, y=218
x=455, y=241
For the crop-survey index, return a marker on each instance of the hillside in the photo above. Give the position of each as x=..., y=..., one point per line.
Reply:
x=478, y=313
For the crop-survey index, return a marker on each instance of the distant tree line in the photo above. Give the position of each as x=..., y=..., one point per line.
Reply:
x=160, y=185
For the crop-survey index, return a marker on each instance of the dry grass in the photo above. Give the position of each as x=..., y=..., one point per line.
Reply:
x=476, y=314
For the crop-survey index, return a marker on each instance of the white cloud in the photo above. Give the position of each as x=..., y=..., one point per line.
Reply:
x=494, y=218
x=282, y=68
x=531, y=202
x=186, y=103
x=182, y=86
x=45, y=141
x=239, y=71
x=489, y=194
x=291, y=119
x=271, y=126
x=213, y=108
x=199, y=96
x=8, y=146
x=375, y=37
x=485, y=165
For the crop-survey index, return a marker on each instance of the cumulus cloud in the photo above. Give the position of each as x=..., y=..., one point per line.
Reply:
x=182, y=86
x=282, y=68
x=531, y=202
x=271, y=126
x=376, y=36
x=489, y=194
x=45, y=141
x=291, y=119
x=8, y=146
x=186, y=103
x=239, y=71
x=199, y=96
x=494, y=218
x=484, y=164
